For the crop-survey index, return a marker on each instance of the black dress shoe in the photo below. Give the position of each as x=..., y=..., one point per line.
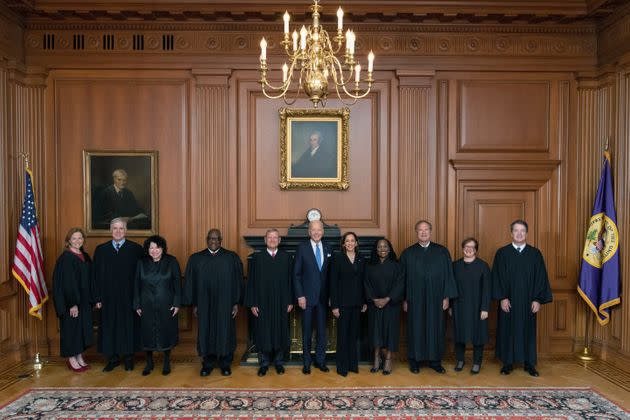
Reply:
x=475, y=369
x=353, y=370
x=344, y=374
x=110, y=365
x=262, y=371
x=459, y=366
x=438, y=368
x=166, y=370
x=280, y=369
x=414, y=369
x=374, y=370
x=306, y=370
x=128, y=365
x=226, y=372
x=532, y=371
x=205, y=371
x=506, y=370
x=147, y=370
x=323, y=368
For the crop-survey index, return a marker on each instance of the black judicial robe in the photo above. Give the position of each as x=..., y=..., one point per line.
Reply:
x=384, y=280
x=72, y=286
x=157, y=289
x=428, y=280
x=214, y=285
x=473, y=296
x=522, y=278
x=114, y=278
x=269, y=289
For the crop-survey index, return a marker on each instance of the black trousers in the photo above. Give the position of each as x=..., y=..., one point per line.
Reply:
x=460, y=349
x=266, y=357
x=224, y=361
x=348, y=339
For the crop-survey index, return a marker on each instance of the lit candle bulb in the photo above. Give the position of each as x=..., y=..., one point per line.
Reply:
x=303, y=37
x=339, y=19
x=352, y=38
x=370, y=62
x=357, y=73
x=263, y=49
x=286, y=19
x=348, y=41
x=285, y=70
x=295, y=40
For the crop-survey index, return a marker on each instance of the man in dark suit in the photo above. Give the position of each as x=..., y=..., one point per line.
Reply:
x=117, y=200
x=310, y=283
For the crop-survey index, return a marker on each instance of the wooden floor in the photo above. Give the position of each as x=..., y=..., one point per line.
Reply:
x=556, y=372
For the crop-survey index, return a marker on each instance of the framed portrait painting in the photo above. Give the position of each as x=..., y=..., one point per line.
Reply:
x=314, y=149
x=120, y=184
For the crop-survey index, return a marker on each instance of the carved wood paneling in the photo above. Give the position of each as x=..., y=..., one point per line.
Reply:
x=504, y=116
x=416, y=157
x=614, y=36
x=621, y=323
x=4, y=172
x=213, y=163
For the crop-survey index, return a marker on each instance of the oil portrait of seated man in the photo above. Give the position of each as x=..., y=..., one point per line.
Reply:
x=314, y=150
x=122, y=187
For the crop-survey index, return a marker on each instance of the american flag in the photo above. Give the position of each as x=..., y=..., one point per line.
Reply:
x=28, y=264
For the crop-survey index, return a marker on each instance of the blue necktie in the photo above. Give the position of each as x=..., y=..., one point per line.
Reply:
x=318, y=257
x=117, y=246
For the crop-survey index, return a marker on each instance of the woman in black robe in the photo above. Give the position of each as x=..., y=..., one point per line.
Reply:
x=73, y=300
x=384, y=291
x=347, y=302
x=157, y=299
x=470, y=308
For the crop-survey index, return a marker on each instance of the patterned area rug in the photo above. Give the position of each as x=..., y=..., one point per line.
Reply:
x=385, y=403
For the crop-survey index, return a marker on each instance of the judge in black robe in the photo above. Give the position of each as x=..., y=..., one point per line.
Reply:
x=270, y=299
x=384, y=291
x=470, y=309
x=347, y=300
x=114, y=278
x=157, y=299
x=72, y=296
x=213, y=286
x=521, y=285
x=117, y=200
x=429, y=285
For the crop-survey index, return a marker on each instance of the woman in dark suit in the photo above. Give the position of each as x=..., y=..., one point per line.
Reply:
x=73, y=299
x=347, y=302
x=384, y=291
x=157, y=299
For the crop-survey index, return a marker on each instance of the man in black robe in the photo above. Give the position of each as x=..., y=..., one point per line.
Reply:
x=270, y=299
x=213, y=286
x=520, y=283
x=428, y=272
x=114, y=274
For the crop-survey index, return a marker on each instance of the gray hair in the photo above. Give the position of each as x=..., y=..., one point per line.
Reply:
x=120, y=172
x=122, y=220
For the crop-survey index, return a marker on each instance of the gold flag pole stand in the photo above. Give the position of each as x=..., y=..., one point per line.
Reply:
x=585, y=354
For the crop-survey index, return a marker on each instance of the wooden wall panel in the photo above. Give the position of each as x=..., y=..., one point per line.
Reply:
x=416, y=156
x=508, y=116
x=363, y=207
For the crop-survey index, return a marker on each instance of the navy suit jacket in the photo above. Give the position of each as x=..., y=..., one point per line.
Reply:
x=308, y=280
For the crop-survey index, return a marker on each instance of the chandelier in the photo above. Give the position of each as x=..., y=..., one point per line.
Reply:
x=314, y=62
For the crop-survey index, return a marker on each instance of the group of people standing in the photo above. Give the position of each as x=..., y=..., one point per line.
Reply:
x=138, y=292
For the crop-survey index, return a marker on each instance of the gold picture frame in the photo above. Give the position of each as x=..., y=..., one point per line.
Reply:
x=120, y=184
x=314, y=149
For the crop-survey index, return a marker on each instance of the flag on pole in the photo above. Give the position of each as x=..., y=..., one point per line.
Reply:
x=599, y=276
x=28, y=263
